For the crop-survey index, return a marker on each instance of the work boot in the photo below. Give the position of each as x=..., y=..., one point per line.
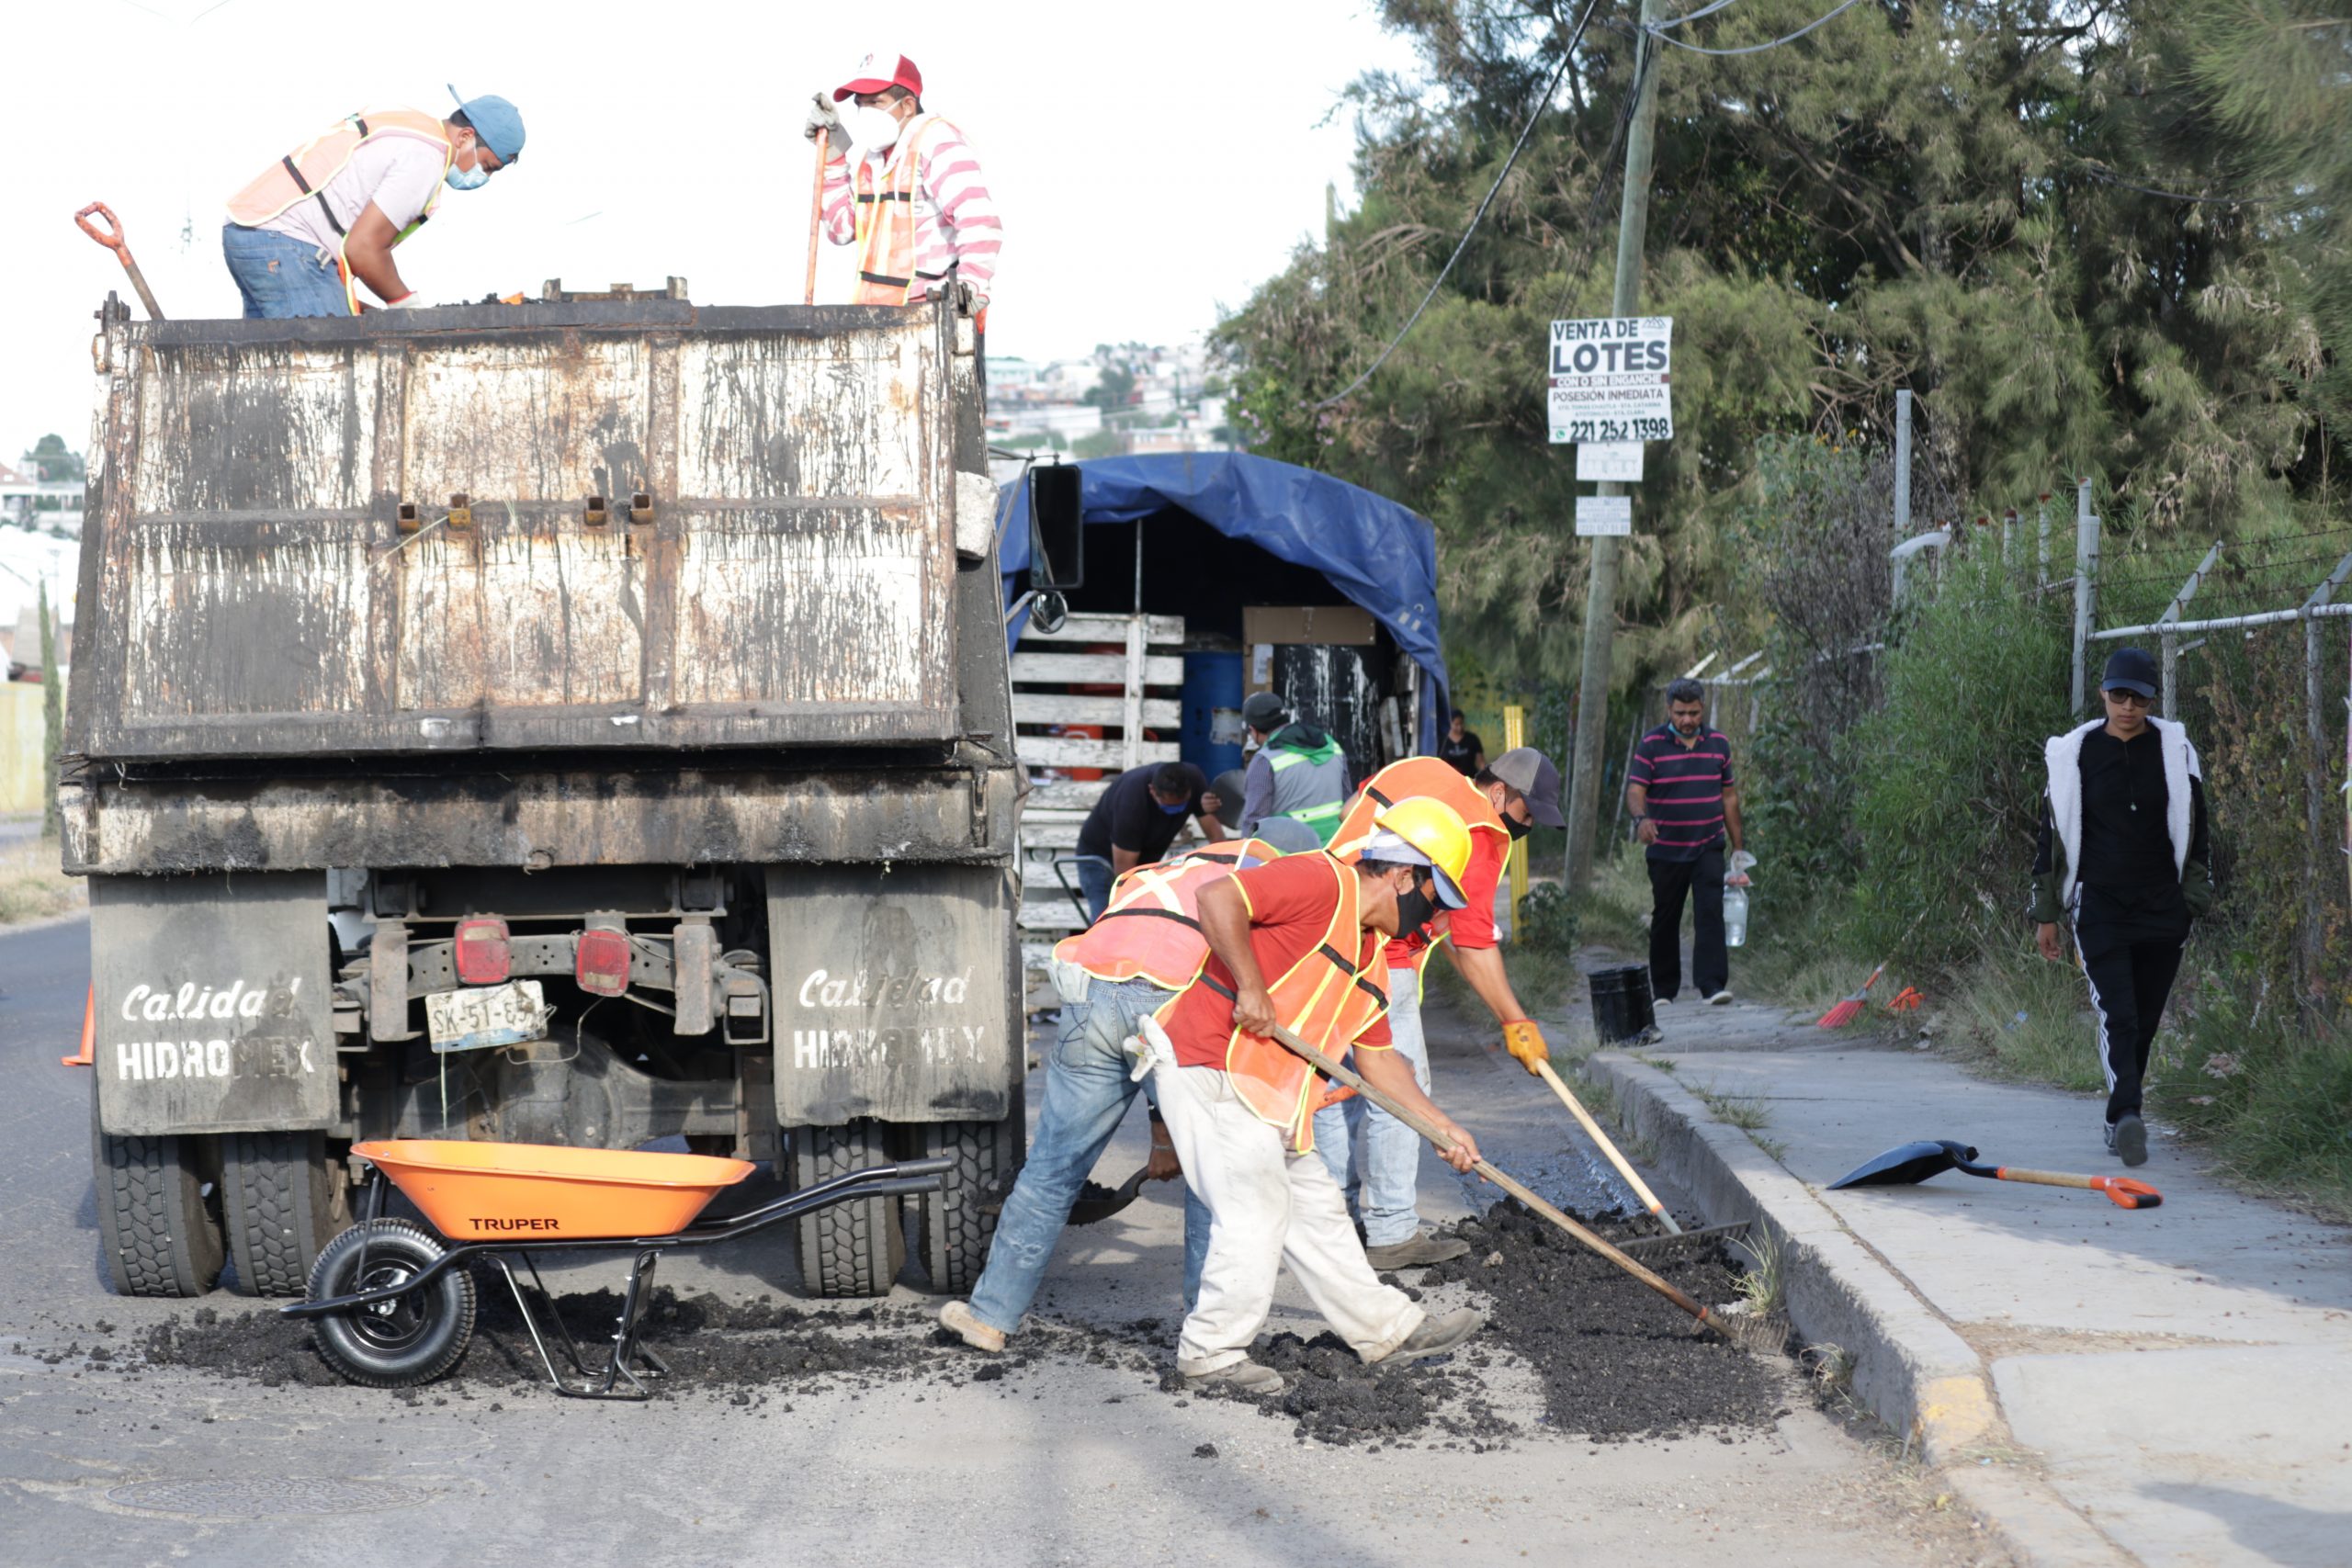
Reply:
x=1436, y=1336
x=957, y=1319
x=1242, y=1377
x=1422, y=1249
x=2129, y=1137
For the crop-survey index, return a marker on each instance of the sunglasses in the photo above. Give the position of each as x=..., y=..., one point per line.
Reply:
x=2127, y=699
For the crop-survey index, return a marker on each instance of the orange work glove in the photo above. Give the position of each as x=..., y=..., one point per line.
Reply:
x=1524, y=1039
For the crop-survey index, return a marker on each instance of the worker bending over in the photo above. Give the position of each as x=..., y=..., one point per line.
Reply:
x=914, y=202
x=1298, y=773
x=1521, y=788
x=1296, y=942
x=1134, y=821
x=325, y=218
x=1111, y=977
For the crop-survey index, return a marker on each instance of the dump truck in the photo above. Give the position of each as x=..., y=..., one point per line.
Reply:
x=583, y=721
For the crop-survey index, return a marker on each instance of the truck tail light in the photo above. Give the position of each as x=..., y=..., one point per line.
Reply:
x=485, y=956
x=602, y=968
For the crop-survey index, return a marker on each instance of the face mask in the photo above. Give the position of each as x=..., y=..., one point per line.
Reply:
x=1178, y=809
x=460, y=177
x=871, y=126
x=1413, y=910
x=1515, y=828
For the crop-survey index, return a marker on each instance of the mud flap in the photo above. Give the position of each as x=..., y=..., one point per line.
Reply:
x=214, y=1011
x=893, y=993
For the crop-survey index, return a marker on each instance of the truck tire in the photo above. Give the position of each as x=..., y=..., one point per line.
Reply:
x=407, y=1340
x=160, y=1233
x=855, y=1248
x=956, y=1232
x=281, y=1201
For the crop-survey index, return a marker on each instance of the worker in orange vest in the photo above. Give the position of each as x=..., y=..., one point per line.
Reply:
x=1297, y=942
x=914, y=202
x=308, y=229
x=1144, y=946
x=1509, y=796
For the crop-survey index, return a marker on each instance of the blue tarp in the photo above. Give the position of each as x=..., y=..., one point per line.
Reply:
x=1383, y=556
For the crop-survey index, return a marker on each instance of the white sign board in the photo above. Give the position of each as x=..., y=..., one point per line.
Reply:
x=1611, y=379
x=1598, y=514
x=1618, y=460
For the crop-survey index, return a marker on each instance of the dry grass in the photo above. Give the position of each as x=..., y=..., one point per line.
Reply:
x=31, y=887
x=1745, y=1111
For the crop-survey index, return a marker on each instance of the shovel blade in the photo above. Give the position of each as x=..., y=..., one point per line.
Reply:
x=1097, y=1206
x=1908, y=1164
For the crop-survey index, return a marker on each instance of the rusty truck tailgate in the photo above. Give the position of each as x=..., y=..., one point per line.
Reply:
x=248, y=591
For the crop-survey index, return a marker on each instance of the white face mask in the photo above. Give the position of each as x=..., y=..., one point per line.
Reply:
x=871, y=126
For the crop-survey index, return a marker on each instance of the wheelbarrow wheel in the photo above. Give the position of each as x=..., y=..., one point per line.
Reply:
x=408, y=1340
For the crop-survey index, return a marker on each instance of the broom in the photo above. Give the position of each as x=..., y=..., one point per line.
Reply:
x=1845, y=1012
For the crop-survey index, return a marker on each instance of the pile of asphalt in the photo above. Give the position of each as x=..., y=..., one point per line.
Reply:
x=1613, y=1360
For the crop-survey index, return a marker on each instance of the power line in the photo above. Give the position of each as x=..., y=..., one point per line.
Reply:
x=1660, y=32
x=2106, y=178
x=1568, y=58
x=1691, y=15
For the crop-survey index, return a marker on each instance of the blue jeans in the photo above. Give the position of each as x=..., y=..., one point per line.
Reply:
x=281, y=277
x=1087, y=1095
x=1094, y=880
x=1388, y=1197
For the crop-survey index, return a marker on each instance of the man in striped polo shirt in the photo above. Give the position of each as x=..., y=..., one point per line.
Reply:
x=1683, y=802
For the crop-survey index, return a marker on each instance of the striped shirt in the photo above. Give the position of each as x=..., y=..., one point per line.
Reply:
x=955, y=218
x=1685, y=785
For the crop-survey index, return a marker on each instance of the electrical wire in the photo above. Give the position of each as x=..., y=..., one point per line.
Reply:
x=1568, y=58
x=2106, y=178
x=1693, y=15
x=1658, y=32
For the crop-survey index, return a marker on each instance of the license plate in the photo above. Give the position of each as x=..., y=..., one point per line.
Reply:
x=479, y=1017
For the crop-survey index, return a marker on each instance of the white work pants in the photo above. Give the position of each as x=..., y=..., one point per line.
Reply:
x=1267, y=1207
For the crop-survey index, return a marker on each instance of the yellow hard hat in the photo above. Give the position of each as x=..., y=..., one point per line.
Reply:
x=1436, y=832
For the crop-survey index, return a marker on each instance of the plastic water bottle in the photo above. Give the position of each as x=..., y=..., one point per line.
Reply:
x=1734, y=916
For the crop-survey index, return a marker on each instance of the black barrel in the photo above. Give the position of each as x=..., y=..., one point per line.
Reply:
x=1622, y=1005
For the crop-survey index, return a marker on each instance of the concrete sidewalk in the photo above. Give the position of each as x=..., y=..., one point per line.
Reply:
x=2167, y=1387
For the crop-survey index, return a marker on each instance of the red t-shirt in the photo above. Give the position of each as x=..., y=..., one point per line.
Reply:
x=1290, y=900
x=1472, y=925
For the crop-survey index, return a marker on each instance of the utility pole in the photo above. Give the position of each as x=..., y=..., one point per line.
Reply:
x=1600, y=596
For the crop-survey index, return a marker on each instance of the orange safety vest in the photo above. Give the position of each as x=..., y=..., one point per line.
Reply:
x=1326, y=999
x=1151, y=927
x=1418, y=778
x=304, y=172
x=884, y=216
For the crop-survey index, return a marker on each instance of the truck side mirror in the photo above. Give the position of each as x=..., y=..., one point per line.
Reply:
x=1057, y=527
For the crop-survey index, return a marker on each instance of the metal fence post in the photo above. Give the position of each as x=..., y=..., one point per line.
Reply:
x=2041, y=559
x=2316, y=790
x=2086, y=578
x=1902, y=482
x=2170, y=639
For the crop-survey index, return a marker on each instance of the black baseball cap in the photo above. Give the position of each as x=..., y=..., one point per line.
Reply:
x=2131, y=669
x=1264, y=711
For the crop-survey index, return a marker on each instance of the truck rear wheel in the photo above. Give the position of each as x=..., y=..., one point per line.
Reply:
x=282, y=1201
x=956, y=1230
x=855, y=1248
x=160, y=1229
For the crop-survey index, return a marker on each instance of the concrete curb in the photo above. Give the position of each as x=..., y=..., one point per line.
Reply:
x=1910, y=1367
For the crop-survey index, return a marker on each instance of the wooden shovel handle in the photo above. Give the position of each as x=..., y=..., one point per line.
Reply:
x=816, y=215
x=2123, y=1191
x=1592, y=1130
x=1511, y=1185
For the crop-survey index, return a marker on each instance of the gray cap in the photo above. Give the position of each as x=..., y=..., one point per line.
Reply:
x=1532, y=774
x=1264, y=711
x=1289, y=835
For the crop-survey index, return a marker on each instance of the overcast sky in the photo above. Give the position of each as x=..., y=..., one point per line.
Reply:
x=1151, y=164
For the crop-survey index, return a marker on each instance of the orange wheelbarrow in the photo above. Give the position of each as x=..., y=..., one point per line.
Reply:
x=391, y=1306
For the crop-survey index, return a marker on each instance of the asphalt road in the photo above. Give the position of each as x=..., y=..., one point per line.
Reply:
x=1063, y=1461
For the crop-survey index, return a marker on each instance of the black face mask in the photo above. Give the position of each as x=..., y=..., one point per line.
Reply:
x=1515, y=828
x=1413, y=910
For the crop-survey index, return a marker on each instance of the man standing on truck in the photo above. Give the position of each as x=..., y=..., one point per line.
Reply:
x=1519, y=789
x=324, y=217
x=1296, y=943
x=915, y=203
x=1135, y=821
x=1298, y=773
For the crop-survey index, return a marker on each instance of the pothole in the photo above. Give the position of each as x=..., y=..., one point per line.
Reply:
x=227, y=1499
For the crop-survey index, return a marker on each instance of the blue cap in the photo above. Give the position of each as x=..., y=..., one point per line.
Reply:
x=2131, y=669
x=496, y=121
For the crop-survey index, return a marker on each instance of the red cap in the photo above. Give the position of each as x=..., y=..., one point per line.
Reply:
x=878, y=71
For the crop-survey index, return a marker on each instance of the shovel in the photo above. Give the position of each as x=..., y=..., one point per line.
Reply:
x=1913, y=1163
x=1754, y=1334
x=1095, y=1201
x=1676, y=1244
